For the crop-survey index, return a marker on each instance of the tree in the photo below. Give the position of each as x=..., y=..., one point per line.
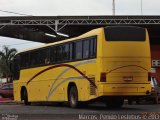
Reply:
x=6, y=56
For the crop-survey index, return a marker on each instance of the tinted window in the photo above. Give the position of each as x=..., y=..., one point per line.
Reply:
x=53, y=54
x=125, y=33
x=78, y=50
x=65, y=52
x=71, y=51
x=34, y=58
x=59, y=53
x=44, y=56
x=86, y=49
x=93, y=47
x=24, y=60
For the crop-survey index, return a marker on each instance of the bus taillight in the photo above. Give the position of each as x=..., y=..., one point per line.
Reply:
x=103, y=77
x=149, y=76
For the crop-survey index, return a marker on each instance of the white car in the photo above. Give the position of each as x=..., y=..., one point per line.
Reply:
x=155, y=93
x=154, y=96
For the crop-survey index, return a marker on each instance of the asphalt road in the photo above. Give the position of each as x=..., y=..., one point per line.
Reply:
x=93, y=112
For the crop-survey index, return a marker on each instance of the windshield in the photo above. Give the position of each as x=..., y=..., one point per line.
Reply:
x=125, y=33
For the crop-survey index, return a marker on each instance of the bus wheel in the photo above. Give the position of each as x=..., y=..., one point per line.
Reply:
x=25, y=97
x=114, y=102
x=73, y=97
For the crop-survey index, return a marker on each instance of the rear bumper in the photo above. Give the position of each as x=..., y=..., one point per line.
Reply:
x=106, y=89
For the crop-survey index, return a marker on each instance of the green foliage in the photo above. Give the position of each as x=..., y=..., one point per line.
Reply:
x=6, y=56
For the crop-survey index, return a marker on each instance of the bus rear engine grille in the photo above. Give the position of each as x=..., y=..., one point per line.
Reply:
x=92, y=87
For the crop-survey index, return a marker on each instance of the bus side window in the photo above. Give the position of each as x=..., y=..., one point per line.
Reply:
x=32, y=61
x=27, y=60
x=47, y=59
x=59, y=53
x=65, y=52
x=93, y=47
x=41, y=57
x=71, y=52
x=34, y=58
x=85, y=49
x=24, y=63
x=37, y=56
x=78, y=50
x=44, y=56
x=53, y=54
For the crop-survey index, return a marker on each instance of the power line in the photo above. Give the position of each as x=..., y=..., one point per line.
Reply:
x=14, y=13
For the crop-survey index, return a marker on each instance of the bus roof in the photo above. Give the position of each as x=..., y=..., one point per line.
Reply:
x=88, y=34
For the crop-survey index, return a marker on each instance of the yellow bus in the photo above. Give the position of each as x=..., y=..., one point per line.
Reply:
x=106, y=64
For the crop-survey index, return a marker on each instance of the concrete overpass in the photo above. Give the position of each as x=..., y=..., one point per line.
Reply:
x=34, y=28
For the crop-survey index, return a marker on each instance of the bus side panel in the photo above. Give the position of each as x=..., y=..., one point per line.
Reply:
x=52, y=85
x=83, y=85
x=17, y=91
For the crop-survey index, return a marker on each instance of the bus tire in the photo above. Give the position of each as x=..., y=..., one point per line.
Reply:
x=73, y=97
x=25, y=97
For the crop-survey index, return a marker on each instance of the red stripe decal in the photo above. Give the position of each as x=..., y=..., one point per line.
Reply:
x=62, y=65
x=126, y=66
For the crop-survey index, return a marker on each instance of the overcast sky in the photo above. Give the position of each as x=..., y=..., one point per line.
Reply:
x=72, y=7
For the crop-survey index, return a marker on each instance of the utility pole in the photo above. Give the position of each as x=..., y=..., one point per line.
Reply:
x=113, y=7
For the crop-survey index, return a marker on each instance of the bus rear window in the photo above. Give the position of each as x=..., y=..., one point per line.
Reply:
x=125, y=33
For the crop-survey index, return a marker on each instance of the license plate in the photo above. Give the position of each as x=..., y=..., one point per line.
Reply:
x=128, y=78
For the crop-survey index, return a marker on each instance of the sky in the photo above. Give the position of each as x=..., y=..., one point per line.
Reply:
x=71, y=7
